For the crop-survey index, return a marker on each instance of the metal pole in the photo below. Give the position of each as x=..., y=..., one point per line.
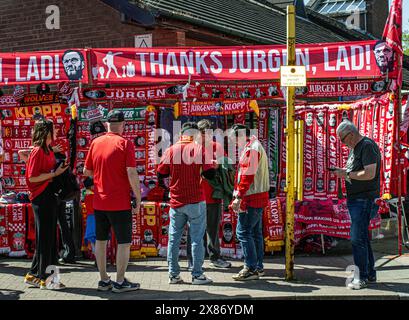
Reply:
x=397, y=130
x=290, y=181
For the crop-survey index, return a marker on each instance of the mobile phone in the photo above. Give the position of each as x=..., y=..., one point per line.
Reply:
x=331, y=169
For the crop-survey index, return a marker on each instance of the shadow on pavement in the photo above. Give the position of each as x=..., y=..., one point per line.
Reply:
x=6, y=294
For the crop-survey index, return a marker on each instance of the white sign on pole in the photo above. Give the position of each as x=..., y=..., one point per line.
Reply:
x=293, y=76
x=143, y=41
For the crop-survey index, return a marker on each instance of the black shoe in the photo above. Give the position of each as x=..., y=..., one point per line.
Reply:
x=125, y=286
x=372, y=279
x=105, y=285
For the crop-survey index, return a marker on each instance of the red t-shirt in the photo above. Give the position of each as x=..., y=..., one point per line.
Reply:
x=89, y=203
x=38, y=163
x=108, y=157
x=212, y=151
x=185, y=179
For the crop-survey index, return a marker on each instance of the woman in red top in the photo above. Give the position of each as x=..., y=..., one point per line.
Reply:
x=39, y=174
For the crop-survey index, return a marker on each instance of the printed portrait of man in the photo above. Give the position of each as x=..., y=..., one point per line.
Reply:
x=272, y=91
x=82, y=142
x=308, y=184
x=309, y=119
x=383, y=56
x=74, y=64
x=320, y=185
x=148, y=237
x=378, y=86
x=301, y=91
x=332, y=120
x=227, y=233
x=320, y=118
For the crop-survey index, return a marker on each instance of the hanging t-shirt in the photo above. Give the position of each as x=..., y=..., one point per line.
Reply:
x=38, y=162
x=366, y=152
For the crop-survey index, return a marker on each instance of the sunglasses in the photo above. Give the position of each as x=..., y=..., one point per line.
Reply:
x=344, y=137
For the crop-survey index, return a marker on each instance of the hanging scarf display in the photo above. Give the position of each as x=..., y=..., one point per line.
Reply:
x=309, y=155
x=164, y=220
x=149, y=229
x=388, y=147
x=274, y=146
x=282, y=174
x=332, y=154
x=16, y=220
x=135, y=251
x=4, y=239
x=151, y=118
x=273, y=224
x=263, y=128
x=320, y=151
x=227, y=234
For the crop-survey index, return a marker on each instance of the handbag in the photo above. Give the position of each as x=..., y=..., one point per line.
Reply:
x=66, y=186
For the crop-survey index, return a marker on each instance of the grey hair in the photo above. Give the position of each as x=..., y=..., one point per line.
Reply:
x=347, y=126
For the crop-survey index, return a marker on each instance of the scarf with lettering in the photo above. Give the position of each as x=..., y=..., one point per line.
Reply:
x=332, y=154
x=309, y=155
x=4, y=240
x=16, y=219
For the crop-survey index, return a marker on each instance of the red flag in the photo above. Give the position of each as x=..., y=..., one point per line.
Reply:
x=392, y=34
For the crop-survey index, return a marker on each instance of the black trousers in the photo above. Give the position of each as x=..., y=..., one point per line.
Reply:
x=68, y=249
x=214, y=212
x=45, y=216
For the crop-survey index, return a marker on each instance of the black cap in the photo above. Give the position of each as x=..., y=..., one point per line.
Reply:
x=189, y=126
x=116, y=116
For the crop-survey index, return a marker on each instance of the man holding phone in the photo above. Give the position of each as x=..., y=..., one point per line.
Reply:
x=362, y=176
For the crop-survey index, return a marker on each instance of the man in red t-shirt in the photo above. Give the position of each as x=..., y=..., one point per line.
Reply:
x=111, y=162
x=184, y=163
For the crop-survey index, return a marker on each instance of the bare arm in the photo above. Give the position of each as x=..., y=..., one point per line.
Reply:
x=88, y=173
x=133, y=178
x=47, y=176
x=368, y=173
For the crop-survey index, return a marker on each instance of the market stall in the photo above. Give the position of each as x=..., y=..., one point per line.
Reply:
x=225, y=84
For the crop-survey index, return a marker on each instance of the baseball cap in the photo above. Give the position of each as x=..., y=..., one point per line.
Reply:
x=189, y=126
x=115, y=116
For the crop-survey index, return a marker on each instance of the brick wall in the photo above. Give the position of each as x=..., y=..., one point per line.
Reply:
x=378, y=11
x=83, y=23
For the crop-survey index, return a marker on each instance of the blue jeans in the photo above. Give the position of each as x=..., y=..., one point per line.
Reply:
x=250, y=234
x=361, y=212
x=195, y=216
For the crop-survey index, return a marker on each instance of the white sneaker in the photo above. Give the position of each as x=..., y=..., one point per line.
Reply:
x=201, y=279
x=220, y=263
x=175, y=280
x=357, y=284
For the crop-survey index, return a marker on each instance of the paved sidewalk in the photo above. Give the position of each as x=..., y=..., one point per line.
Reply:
x=318, y=277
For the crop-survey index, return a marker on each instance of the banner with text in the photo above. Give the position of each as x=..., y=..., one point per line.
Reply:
x=325, y=60
x=43, y=66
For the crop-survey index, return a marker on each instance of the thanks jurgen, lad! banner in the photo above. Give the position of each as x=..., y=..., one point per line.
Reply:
x=325, y=60
x=43, y=66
